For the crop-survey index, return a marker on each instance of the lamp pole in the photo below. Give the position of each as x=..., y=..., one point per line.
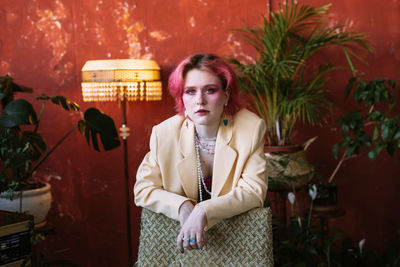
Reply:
x=124, y=134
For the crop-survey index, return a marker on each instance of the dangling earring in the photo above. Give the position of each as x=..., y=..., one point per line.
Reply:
x=186, y=119
x=225, y=120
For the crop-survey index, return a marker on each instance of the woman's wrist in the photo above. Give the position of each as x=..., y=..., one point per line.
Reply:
x=187, y=206
x=185, y=210
x=200, y=208
x=200, y=211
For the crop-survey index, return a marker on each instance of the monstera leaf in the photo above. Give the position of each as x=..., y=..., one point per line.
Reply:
x=37, y=145
x=62, y=101
x=18, y=112
x=96, y=124
x=8, y=88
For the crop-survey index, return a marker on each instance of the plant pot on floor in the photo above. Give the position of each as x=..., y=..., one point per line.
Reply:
x=326, y=198
x=36, y=202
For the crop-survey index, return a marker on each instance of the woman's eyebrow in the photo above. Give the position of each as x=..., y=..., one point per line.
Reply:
x=207, y=85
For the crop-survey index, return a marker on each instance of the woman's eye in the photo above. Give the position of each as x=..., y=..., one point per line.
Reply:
x=190, y=91
x=211, y=90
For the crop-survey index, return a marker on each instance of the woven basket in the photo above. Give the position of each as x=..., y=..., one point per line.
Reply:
x=287, y=170
x=243, y=240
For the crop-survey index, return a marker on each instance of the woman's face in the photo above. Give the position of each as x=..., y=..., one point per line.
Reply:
x=203, y=97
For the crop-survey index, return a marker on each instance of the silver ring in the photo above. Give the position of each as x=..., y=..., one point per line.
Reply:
x=192, y=240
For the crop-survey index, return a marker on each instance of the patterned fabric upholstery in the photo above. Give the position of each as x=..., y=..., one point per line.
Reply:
x=243, y=240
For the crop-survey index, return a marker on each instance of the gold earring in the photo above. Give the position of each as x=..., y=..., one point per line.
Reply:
x=186, y=119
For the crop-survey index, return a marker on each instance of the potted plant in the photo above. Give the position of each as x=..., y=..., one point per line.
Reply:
x=23, y=149
x=307, y=243
x=373, y=127
x=284, y=83
x=304, y=243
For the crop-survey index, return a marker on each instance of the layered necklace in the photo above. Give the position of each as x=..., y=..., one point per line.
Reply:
x=207, y=145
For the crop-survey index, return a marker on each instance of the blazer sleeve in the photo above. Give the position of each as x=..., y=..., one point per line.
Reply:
x=251, y=188
x=148, y=190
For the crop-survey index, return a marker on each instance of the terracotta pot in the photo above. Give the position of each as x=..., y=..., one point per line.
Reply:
x=36, y=202
x=326, y=198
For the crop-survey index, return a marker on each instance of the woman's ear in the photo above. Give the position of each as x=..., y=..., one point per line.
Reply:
x=227, y=94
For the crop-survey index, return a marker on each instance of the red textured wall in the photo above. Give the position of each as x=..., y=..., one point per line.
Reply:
x=44, y=44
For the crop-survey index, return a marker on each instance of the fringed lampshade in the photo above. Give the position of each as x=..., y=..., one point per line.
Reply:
x=113, y=80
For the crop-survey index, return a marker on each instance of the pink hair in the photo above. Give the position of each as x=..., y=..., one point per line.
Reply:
x=213, y=64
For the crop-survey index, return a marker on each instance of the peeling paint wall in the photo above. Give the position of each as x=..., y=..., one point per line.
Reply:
x=44, y=44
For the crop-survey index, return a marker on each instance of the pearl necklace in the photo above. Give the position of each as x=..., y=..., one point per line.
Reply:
x=200, y=176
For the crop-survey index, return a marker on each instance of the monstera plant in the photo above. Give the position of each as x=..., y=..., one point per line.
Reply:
x=23, y=149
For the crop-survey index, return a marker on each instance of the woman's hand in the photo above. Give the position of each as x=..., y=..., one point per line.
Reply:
x=193, y=233
x=184, y=211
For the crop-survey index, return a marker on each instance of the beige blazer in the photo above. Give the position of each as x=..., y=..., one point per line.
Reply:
x=168, y=174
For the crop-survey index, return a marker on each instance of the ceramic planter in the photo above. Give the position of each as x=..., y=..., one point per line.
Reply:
x=36, y=202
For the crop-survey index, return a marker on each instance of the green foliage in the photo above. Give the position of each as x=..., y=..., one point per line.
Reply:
x=279, y=83
x=97, y=123
x=23, y=149
x=61, y=101
x=303, y=243
x=8, y=88
x=18, y=112
x=308, y=245
x=304, y=247
x=375, y=126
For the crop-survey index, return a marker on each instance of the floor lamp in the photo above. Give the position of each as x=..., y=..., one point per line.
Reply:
x=122, y=80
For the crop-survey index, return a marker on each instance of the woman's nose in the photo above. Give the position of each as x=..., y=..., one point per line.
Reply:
x=200, y=98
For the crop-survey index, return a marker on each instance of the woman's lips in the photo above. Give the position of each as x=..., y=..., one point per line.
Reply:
x=202, y=112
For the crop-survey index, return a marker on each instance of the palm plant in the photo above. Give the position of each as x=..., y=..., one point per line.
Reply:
x=278, y=82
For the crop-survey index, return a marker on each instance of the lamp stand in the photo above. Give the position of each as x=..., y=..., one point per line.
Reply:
x=124, y=133
x=122, y=80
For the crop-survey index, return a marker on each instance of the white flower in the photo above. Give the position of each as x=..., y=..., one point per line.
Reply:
x=291, y=198
x=361, y=245
x=313, y=192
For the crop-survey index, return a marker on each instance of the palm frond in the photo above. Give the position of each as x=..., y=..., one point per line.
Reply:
x=278, y=82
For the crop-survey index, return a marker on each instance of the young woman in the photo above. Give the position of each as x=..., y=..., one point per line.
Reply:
x=207, y=162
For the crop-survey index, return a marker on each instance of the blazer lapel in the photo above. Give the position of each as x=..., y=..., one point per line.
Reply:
x=187, y=166
x=224, y=158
